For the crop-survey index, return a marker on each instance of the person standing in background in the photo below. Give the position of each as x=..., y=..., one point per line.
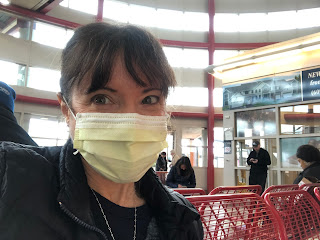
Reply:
x=175, y=158
x=10, y=130
x=161, y=164
x=258, y=159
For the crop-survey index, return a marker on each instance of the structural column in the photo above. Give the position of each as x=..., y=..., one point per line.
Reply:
x=210, y=169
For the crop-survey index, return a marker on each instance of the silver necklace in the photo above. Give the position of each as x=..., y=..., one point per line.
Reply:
x=106, y=220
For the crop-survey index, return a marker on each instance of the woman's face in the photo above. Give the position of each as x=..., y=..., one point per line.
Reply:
x=120, y=95
x=183, y=167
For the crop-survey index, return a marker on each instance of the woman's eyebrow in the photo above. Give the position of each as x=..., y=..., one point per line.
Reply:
x=151, y=89
x=104, y=88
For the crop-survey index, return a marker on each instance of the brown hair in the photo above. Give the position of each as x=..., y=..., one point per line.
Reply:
x=94, y=48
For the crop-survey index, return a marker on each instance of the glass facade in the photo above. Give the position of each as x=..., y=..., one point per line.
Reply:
x=244, y=147
x=14, y=26
x=12, y=73
x=300, y=119
x=256, y=123
x=289, y=147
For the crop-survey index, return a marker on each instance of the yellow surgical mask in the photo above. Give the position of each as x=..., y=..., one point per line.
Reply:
x=120, y=146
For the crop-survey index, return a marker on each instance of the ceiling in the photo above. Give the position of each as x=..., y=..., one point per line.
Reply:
x=10, y=23
x=30, y=4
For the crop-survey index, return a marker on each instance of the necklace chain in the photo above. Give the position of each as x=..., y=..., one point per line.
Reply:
x=106, y=220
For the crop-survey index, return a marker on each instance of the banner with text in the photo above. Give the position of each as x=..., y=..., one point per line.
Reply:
x=311, y=84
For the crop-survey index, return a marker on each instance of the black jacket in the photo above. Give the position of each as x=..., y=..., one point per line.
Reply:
x=174, y=178
x=44, y=195
x=311, y=171
x=10, y=129
x=263, y=160
x=161, y=164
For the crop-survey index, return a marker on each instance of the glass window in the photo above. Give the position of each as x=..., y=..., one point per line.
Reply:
x=242, y=177
x=51, y=35
x=273, y=175
x=174, y=56
x=217, y=97
x=218, y=148
x=256, y=123
x=300, y=119
x=195, y=58
x=252, y=22
x=188, y=96
x=86, y=6
x=44, y=79
x=226, y=22
x=169, y=19
x=287, y=177
x=14, y=26
x=281, y=20
x=186, y=58
x=12, y=73
x=194, y=144
x=289, y=148
x=244, y=147
x=139, y=14
x=48, y=131
x=306, y=18
x=220, y=55
x=194, y=21
x=117, y=11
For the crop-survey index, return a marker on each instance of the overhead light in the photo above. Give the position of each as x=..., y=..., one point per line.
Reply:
x=278, y=51
x=5, y=2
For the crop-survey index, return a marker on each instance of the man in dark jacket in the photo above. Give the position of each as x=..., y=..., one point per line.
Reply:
x=46, y=196
x=258, y=159
x=10, y=130
x=161, y=164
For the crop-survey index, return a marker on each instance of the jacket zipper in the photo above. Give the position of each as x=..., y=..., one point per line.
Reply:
x=80, y=222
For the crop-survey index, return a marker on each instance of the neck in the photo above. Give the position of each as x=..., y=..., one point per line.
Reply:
x=305, y=164
x=122, y=194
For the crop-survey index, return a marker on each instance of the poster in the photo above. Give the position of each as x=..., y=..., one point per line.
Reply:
x=227, y=147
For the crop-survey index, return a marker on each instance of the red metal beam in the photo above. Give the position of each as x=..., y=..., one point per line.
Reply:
x=38, y=16
x=240, y=46
x=100, y=11
x=301, y=116
x=195, y=115
x=27, y=99
x=211, y=115
x=49, y=6
x=172, y=43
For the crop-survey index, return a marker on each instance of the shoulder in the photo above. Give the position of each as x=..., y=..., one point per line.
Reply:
x=24, y=168
x=26, y=160
x=9, y=149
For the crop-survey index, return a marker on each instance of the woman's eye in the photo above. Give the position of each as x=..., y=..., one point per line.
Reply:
x=150, y=100
x=100, y=99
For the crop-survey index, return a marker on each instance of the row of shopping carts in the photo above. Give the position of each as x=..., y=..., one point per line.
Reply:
x=242, y=212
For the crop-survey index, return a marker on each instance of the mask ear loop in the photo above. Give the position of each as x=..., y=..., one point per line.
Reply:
x=77, y=151
x=65, y=101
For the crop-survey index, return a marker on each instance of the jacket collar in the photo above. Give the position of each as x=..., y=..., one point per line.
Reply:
x=168, y=208
x=74, y=190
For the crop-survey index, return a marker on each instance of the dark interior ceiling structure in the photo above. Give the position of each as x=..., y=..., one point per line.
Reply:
x=10, y=23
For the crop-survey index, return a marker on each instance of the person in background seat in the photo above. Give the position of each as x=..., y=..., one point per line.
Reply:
x=10, y=130
x=309, y=159
x=181, y=175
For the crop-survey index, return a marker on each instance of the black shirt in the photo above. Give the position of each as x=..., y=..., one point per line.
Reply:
x=120, y=219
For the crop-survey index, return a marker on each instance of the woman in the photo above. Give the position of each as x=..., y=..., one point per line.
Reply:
x=309, y=159
x=181, y=175
x=100, y=184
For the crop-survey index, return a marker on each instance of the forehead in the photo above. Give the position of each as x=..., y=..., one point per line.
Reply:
x=119, y=78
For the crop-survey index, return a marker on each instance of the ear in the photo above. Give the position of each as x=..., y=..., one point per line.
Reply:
x=63, y=106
